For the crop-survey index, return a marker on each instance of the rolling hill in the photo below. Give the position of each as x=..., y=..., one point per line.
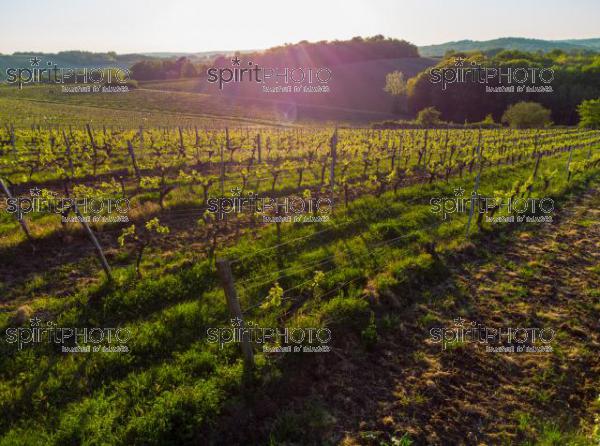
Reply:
x=513, y=43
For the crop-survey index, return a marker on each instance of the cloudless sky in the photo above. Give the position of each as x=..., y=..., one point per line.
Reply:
x=127, y=26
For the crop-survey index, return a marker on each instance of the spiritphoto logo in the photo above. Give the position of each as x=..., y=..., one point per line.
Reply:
x=273, y=339
x=516, y=207
x=92, y=209
x=504, y=79
x=92, y=78
x=71, y=339
x=513, y=339
x=273, y=209
x=273, y=80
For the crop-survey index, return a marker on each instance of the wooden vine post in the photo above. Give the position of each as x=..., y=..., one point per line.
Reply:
x=94, y=147
x=334, y=141
x=476, y=187
x=569, y=162
x=68, y=153
x=222, y=176
x=141, y=138
x=133, y=160
x=99, y=252
x=537, y=164
x=13, y=141
x=259, y=148
x=181, y=145
x=20, y=219
x=224, y=270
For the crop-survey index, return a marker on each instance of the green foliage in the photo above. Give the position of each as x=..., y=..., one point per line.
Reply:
x=154, y=225
x=274, y=298
x=527, y=115
x=347, y=312
x=395, y=85
x=154, y=69
x=126, y=233
x=415, y=269
x=142, y=238
x=574, y=79
x=175, y=416
x=324, y=53
x=589, y=113
x=369, y=334
x=515, y=47
x=428, y=117
x=489, y=120
x=317, y=284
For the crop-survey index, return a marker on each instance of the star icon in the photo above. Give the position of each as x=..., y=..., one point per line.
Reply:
x=459, y=191
x=235, y=61
x=236, y=191
x=35, y=322
x=459, y=322
x=459, y=61
x=35, y=192
x=35, y=61
x=236, y=322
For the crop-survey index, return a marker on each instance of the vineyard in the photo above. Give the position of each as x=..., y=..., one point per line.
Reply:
x=371, y=246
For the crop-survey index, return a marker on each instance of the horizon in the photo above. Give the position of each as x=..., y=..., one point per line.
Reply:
x=190, y=27
x=150, y=52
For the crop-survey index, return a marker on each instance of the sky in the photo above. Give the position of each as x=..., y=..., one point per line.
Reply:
x=128, y=26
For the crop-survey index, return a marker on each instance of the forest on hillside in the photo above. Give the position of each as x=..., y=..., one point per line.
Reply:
x=576, y=78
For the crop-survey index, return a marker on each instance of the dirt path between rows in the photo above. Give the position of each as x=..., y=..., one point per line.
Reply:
x=546, y=278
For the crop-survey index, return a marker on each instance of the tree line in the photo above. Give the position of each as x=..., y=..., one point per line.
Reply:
x=576, y=78
x=314, y=54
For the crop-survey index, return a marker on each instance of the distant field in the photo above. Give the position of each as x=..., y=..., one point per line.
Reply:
x=48, y=105
x=356, y=97
x=156, y=107
x=25, y=113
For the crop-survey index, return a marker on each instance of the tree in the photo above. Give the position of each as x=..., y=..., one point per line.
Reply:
x=395, y=84
x=428, y=117
x=526, y=114
x=147, y=70
x=489, y=120
x=589, y=113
